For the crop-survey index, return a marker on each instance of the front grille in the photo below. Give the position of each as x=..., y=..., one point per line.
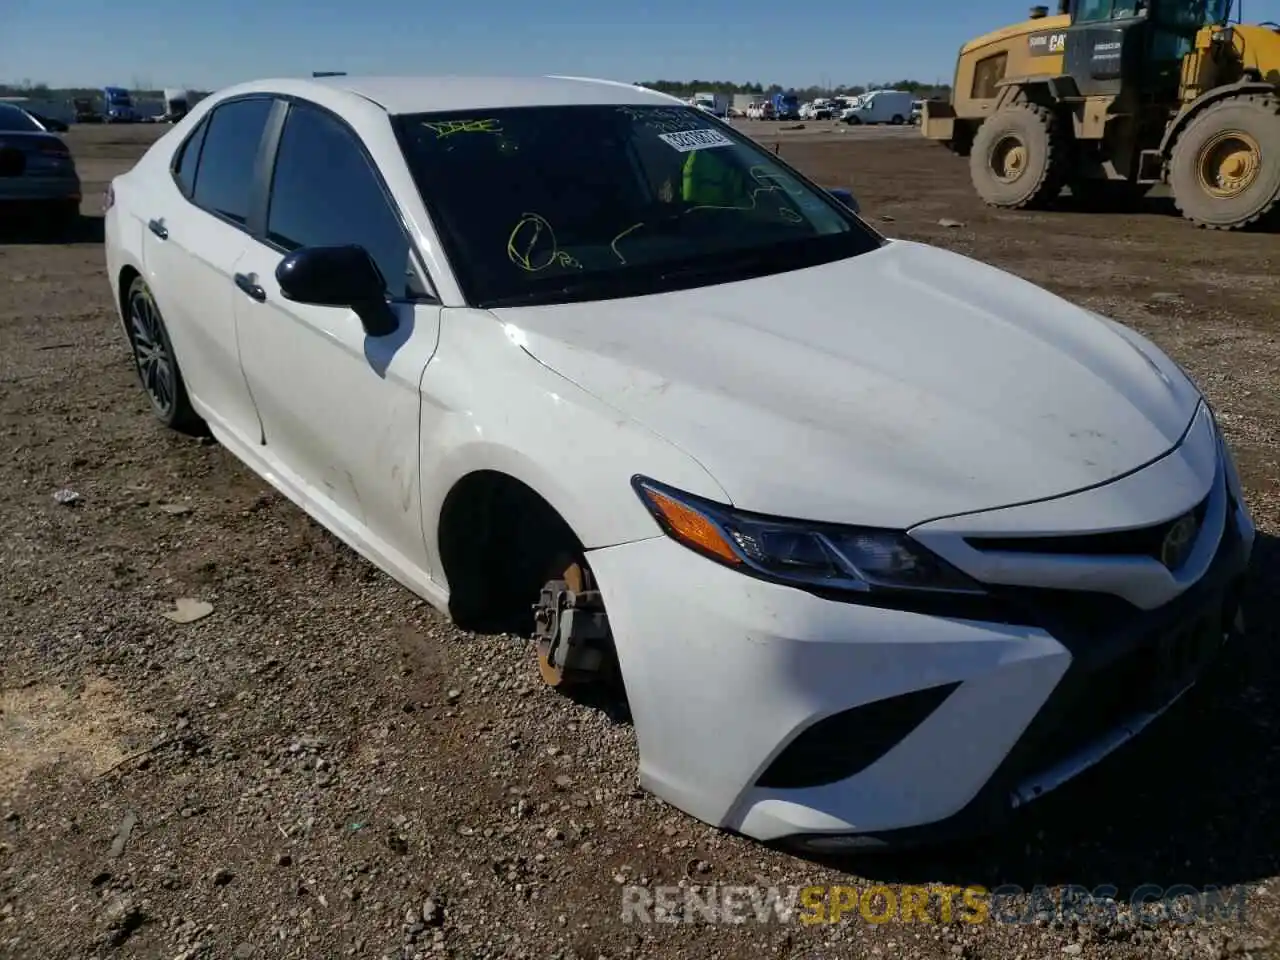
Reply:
x=1079, y=619
x=1133, y=666
x=1087, y=620
x=1140, y=542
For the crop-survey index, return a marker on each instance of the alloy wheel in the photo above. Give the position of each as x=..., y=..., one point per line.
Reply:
x=151, y=353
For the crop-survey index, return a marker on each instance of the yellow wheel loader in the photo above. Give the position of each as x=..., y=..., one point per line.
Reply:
x=1110, y=97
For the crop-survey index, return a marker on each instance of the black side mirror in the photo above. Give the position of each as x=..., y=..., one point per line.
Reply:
x=845, y=197
x=338, y=277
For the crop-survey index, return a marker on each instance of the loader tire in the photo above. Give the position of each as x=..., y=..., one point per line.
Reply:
x=1225, y=167
x=1019, y=157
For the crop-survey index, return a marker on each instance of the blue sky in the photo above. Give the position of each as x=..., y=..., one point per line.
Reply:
x=208, y=45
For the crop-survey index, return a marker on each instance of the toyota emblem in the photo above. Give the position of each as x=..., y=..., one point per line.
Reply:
x=1178, y=542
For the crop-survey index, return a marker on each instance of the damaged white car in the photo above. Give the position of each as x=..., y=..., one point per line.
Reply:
x=877, y=541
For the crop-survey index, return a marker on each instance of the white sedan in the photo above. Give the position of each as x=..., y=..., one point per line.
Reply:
x=878, y=542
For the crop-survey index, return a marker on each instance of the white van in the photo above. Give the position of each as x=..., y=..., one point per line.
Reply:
x=881, y=106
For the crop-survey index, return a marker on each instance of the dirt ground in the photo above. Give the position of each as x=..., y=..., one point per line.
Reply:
x=323, y=767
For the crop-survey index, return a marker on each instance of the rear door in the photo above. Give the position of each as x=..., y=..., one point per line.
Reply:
x=339, y=409
x=195, y=236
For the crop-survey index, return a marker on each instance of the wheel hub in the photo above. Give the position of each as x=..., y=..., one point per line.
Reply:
x=1229, y=164
x=571, y=628
x=1009, y=159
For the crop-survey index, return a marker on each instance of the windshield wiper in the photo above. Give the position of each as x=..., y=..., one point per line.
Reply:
x=527, y=297
x=595, y=286
x=738, y=266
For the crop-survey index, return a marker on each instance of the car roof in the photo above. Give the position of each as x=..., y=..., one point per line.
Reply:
x=424, y=94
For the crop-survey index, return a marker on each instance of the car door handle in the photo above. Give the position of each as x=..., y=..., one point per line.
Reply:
x=159, y=229
x=250, y=288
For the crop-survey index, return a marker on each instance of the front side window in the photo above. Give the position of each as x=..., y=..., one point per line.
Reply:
x=559, y=204
x=1191, y=14
x=230, y=153
x=325, y=193
x=1095, y=11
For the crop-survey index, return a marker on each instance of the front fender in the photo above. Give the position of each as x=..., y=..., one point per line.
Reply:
x=1196, y=106
x=487, y=404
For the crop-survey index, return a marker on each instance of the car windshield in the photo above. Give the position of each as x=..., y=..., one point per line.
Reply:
x=558, y=204
x=13, y=120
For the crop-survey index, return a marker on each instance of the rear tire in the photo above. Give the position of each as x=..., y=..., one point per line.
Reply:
x=1225, y=167
x=156, y=362
x=1018, y=158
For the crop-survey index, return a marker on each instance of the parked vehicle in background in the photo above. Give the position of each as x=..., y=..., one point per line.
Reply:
x=764, y=110
x=38, y=178
x=177, y=103
x=716, y=104
x=880, y=106
x=820, y=109
x=86, y=111
x=786, y=106
x=119, y=107
x=917, y=110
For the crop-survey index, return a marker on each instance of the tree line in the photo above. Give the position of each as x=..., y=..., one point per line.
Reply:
x=678, y=88
x=687, y=88
x=42, y=91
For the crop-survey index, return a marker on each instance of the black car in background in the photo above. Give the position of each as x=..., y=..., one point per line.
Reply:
x=38, y=179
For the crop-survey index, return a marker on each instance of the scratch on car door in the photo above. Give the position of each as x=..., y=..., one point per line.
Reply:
x=404, y=480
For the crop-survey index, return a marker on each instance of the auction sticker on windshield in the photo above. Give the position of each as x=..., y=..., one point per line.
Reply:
x=687, y=140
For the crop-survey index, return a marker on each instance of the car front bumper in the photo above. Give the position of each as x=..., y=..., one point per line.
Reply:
x=786, y=716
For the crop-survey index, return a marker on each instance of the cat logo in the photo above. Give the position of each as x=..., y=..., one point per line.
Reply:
x=1046, y=44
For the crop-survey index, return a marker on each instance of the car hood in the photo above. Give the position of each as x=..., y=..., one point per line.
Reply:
x=888, y=389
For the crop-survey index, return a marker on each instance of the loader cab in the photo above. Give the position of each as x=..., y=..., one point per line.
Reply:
x=1134, y=45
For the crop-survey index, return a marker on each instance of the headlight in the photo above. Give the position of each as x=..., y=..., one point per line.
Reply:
x=798, y=552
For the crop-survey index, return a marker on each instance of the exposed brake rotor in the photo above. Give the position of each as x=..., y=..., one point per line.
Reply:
x=571, y=628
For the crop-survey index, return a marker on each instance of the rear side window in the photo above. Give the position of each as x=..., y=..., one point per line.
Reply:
x=225, y=182
x=184, y=169
x=324, y=192
x=13, y=120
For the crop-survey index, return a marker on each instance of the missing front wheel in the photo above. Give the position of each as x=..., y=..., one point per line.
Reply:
x=571, y=630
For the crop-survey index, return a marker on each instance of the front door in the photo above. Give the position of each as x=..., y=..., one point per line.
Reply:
x=339, y=409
